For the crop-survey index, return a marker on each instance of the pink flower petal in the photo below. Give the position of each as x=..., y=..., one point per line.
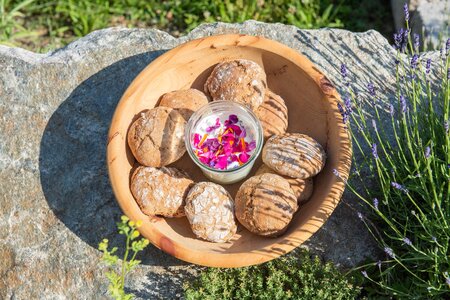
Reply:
x=243, y=157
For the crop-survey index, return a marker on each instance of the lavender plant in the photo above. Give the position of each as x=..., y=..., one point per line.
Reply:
x=409, y=162
x=116, y=277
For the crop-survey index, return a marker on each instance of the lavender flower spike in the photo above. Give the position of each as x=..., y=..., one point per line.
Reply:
x=348, y=104
x=389, y=252
x=398, y=186
x=403, y=103
x=406, y=11
x=360, y=216
x=364, y=273
x=446, y=126
x=416, y=42
x=391, y=110
x=371, y=89
x=428, y=66
x=375, y=203
x=427, y=152
x=414, y=61
x=374, y=151
x=407, y=241
x=447, y=47
x=344, y=71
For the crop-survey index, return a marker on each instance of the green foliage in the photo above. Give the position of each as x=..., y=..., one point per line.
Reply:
x=409, y=163
x=59, y=21
x=117, y=278
x=11, y=28
x=299, y=277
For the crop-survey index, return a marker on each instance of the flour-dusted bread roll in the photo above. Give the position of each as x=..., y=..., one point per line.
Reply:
x=265, y=204
x=273, y=115
x=302, y=188
x=186, y=102
x=295, y=155
x=156, y=138
x=160, y=191
x=239, y=80
x=210, y=211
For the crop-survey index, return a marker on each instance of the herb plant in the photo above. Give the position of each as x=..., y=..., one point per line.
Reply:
x=119, y=269
x=409, y=163
x=293, y=277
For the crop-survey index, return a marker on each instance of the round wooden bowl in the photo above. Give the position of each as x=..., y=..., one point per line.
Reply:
x=312, y=103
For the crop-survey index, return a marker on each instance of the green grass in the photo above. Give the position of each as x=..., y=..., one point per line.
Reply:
x=42, y=25
x=293, y=277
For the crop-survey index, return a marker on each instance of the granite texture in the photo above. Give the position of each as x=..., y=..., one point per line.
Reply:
x=56, y=203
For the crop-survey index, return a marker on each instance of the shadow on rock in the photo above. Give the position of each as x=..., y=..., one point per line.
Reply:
x=72, y=158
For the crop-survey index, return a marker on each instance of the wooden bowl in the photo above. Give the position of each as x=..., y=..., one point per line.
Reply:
x=312, y=103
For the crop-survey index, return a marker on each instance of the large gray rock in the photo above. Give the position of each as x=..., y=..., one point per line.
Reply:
x=55, y=198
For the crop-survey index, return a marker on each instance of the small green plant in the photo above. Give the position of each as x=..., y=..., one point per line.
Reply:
x=11, y=22
x=408, y=163
x=119, y=270
x=293, y=277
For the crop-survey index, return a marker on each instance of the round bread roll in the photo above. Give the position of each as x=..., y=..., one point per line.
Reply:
x=293, y=154
x=160, y=191
x=239, y=80
x=156, y=137
x=265, y=204
x=273, y=115
x=186, y=102
x=210, y=211
x=302, y=188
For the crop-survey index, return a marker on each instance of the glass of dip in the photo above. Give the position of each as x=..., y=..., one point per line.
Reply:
x=224, y=139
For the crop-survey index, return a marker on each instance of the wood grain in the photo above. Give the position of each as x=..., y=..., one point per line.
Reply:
x=312, y=104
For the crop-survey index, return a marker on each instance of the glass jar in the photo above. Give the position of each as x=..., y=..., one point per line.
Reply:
x=206, y=117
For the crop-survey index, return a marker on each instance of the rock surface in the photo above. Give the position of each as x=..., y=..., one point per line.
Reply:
x=56, y=203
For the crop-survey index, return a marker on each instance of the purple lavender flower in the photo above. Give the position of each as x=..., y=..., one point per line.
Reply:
x=406, y=11
x=403, y=103
x=401, y=39
x=379, y=264
x=374, y=151
x=416, y=42
x=398, y=186
x=344, y=71
x=389, y=252
x=371, y=89
x=391, y=110
x=360, y=216
x=364, y=273
x=348, y=104
x=433, y=238
x=428, y=66
x=414, y=61
x=375, y=203
x=407, y=241
x=447, y=47
x=336, y=173
x=344, y=114
x=448, y=74
x=446, y=126
x=427, y=152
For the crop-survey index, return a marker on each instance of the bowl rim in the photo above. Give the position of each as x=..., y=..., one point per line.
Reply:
x=253, y=157
x=294, y=238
